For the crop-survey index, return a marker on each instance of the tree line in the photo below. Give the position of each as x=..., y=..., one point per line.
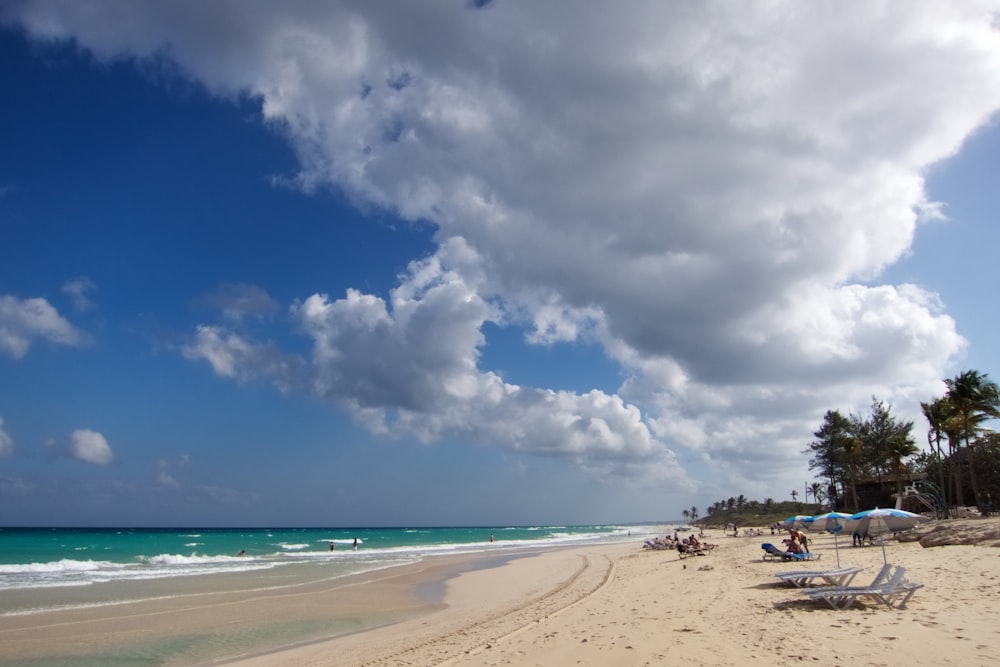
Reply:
x=963, y=452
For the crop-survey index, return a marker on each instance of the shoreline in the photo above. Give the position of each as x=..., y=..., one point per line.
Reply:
x=199, y=621
x=621, y=605
x=600, y=604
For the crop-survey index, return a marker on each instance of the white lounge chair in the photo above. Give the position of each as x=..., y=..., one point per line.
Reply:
x=840, y=577
x=895, y=591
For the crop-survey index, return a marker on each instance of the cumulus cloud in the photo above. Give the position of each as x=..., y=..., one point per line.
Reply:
x=234, y=356
x=709, y=191
x=410, y=367
x=6, y=441
x=90, y=447
x=24, y=320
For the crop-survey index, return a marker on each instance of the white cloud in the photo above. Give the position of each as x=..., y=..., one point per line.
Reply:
x=79, y=289
x=710, y=191
x=90, y=447
x=6, y=441
x=24, y=320
x=234, y=356
x=412, y=369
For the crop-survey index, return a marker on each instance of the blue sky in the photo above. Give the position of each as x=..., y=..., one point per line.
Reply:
x=371, y=264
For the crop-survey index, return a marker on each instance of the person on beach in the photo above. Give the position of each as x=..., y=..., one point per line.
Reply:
x=331, y=546
x=242, y=552
x=355, y=544
x=491, y=537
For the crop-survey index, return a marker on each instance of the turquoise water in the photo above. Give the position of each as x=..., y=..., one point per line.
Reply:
x=50, y=574
x=73, y=557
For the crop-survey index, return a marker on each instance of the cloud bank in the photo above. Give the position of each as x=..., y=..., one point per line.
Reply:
x=708, y=191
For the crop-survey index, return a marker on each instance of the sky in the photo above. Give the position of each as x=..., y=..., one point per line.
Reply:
x=477, y=263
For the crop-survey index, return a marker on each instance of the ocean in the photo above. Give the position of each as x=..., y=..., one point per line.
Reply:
x=46, y=569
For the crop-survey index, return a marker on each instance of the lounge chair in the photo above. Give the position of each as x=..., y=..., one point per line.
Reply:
x=684, y=551
x=772, y=552
x=893, y=591
x=841, y=577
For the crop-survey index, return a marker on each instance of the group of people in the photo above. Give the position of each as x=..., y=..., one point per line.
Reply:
x=747, y=532
x=687, y=545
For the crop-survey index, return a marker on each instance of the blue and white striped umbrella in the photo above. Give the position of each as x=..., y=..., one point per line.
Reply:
x=797, y=521
x=880, y=521
x=832, y=522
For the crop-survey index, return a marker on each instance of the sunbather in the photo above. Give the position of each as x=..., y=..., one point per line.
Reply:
x=684, y=548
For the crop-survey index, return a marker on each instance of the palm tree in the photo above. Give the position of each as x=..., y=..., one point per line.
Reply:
x=694, y=513
x=686, y=514
x=816, y=488
x=795, y=495
x=898, y=448
x=975, y=400
x=940, y=419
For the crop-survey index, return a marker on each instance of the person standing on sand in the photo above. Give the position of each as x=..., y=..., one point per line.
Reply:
x=355, y=544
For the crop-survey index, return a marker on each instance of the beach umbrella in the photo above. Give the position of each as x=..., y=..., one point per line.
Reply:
x=831, y=522
x=880, y=521
x=797, y=521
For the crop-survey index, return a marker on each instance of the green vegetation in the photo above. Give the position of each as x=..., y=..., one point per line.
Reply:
x=879, y=451
x=743, y=512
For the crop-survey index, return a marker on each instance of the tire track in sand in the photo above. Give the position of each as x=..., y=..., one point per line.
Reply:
x=471, y=636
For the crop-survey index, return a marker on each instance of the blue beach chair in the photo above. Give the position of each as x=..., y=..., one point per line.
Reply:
x=772, y=552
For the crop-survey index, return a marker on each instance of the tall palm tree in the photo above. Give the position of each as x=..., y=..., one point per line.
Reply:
x=940, y=419
x=975, y=399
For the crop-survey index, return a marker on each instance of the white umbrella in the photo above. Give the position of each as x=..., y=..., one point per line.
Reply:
x=878, y=521
x=831, y=522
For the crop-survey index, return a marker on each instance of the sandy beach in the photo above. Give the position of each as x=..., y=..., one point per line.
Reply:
x=601, y=605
